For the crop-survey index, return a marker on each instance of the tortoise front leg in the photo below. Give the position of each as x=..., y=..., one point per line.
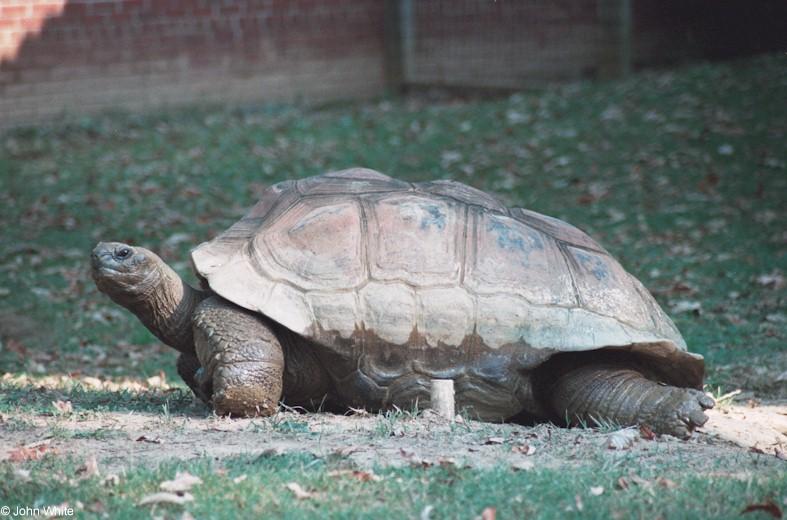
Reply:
x=608, y=392
x=189, y=370
x=241, y=358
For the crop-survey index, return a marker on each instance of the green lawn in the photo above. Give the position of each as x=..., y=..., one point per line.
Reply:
x=256, y=487
x=682, y=175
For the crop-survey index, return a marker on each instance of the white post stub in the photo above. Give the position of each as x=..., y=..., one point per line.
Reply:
x=442, y=397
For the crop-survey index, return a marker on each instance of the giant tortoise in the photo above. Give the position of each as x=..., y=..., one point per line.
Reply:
x=357, y=290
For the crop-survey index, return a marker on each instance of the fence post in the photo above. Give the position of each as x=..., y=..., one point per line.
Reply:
x=393, y=60
x=615, y=53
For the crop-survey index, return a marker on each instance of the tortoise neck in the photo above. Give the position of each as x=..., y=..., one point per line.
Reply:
x=168, y=309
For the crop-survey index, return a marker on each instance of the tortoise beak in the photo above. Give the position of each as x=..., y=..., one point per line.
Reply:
x=104, y=256
x=101, y=252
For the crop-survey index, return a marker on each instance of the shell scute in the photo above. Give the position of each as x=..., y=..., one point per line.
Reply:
x=315, y=246
x=605, y=288
x=415, y=239
x=509, y=256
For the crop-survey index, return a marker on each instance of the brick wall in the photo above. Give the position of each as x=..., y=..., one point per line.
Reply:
x=502, y=44
x=517, y=43
x=82, y=55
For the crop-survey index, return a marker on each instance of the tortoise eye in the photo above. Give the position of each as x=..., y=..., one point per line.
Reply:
x=122, y=252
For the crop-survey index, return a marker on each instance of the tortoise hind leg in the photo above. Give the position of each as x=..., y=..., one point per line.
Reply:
x=607, y=392
x=241, y=358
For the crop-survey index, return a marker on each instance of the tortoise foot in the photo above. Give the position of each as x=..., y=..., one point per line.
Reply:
x=679, y=413
x=598, y=393
x=242, y=360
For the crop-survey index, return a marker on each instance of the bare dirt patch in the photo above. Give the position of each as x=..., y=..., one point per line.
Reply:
x=759, y=427
x=122, y=440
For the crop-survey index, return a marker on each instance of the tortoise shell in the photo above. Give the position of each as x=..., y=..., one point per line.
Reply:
x=433, y=273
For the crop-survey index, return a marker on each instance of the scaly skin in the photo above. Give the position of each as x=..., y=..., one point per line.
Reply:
x=188, y=368
x=242, y=360
x=140, y=281
x=242, y=357
x=608, y=392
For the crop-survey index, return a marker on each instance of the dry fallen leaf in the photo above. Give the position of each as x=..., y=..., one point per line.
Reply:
x=183, y=481
x=418, y=462
x=622, y=439
x=774, y=280
x=640, y=481
x=414, y=460
x=363, y=476
x=447, y=462
x=347, y=450
x=23, y=453
x=646, y=433
x=153, y=440
x=767, y=507
x=62, y=407
x=488, y=513
x=494, y=440
x=404, y=452
x=666, y=483
x=522, y=465
x=299, y=492
x=89, y=468
x=687, y=306
x=166, y=498
x=525, y=449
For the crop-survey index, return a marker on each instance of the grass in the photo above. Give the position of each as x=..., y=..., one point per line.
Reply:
x=38, y=396
x=682, y=175
x=256, y=487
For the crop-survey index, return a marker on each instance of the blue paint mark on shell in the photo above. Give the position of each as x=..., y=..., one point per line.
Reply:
x=593, y=264
x=510, y=239
x=506, y=238
x=434, y=217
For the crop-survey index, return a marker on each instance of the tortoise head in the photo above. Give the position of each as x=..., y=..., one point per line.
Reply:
x=140, y=281
x=126, y=273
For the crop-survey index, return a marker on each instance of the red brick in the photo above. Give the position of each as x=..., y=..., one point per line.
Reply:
x=48, y=9
x=15, y=11
x=9, y=23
